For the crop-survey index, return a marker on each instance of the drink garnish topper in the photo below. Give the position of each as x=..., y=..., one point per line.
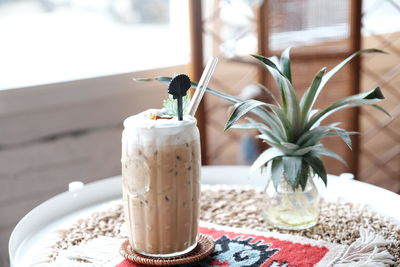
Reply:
x=178, y=88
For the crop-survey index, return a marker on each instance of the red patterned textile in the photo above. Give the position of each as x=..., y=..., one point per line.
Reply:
x=238, y=247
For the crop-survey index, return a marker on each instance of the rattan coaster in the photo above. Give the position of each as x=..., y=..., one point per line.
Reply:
x=204, y=248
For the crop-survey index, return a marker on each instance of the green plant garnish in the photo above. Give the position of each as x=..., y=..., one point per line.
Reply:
x=170, y=106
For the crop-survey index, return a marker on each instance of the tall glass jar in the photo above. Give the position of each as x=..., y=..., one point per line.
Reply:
x=161, y=184
x=290, y=209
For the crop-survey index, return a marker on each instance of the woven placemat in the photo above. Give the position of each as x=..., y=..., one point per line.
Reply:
x=204, y=248
x=339, y=222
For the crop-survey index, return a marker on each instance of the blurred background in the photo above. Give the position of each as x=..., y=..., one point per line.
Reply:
x=66, y=69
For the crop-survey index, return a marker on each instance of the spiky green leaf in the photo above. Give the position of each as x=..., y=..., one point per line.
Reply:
x=292, y=169
x=144, y=79
x=241, y=109
x=269, y=141
x=344, y=136
x=270, y=93
x=304, y=174
x=323, y=151
x=267, y=138
x=382, y=110
x=276, y=171
x=305, y=150
x=217, y=93
x=264, y=158
x=264, y=129
x=318, y=166
x=269, y=62
x=284, y=123
x=290, y=146
x=309, y=96
x=285, y=64
x=290, y=103
x=272, y=66
x=365, y=98
x=250, y=126
x=339, y=66
x=251, y=120
x=269, y=133
x=313, y=136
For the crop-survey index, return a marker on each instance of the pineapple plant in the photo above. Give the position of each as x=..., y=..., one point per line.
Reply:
x=292, y=128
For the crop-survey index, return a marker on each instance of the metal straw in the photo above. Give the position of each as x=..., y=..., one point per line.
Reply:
x=202, y=85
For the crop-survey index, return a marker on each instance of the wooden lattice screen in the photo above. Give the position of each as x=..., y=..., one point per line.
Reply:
x=267, y=27
x=380, y=139
x=221, y=39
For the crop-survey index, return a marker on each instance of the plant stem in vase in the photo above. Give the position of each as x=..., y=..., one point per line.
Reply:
x=290, y=209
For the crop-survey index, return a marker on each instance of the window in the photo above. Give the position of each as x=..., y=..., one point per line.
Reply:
x=51, y=41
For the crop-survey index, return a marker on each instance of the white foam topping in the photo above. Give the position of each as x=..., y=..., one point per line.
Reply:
x=143, y=120
x=141, y=129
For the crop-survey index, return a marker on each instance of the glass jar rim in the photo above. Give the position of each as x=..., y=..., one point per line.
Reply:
x=133, y=122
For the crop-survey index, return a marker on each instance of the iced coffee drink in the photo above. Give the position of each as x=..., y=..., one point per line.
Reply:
x=161, y=183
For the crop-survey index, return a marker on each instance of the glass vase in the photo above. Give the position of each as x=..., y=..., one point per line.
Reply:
x=290, y=209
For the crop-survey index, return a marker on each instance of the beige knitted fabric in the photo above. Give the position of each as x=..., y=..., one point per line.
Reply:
x=339, y=222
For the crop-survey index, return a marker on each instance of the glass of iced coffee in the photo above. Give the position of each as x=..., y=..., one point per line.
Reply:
x=161, y=183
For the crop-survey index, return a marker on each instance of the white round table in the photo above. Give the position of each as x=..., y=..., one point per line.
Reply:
x=67, y=207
